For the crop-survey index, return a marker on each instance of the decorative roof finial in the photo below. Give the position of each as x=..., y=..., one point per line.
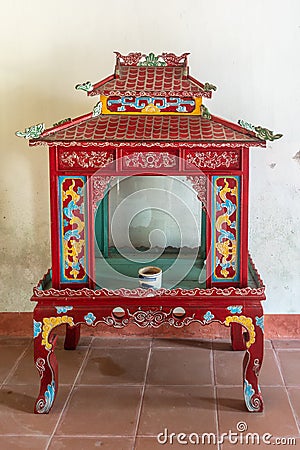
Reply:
x=33, y=132
x=97, y=110
x=152, y=61
x=209, y=87
x=261, y=133
x=205, y=112
x=87, y=86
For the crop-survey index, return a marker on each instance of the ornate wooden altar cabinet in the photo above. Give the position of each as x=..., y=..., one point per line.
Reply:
x=149, y=120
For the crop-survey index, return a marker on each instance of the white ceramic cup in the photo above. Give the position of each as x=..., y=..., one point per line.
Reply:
x=150, y=277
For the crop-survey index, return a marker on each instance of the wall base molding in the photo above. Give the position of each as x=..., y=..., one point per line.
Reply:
x=277, y=326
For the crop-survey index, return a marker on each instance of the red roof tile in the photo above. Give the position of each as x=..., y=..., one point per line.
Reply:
x=147, y=128
x=138, y=74
x=164, y=81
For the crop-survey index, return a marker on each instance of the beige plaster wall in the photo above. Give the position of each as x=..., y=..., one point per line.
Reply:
x=250, y=50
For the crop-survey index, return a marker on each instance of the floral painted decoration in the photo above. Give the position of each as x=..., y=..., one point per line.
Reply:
x=90, y=318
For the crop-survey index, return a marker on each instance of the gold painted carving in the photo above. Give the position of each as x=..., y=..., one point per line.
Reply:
x=247, y=322
x=51, y=322
x=152, y=109
x=228, y=247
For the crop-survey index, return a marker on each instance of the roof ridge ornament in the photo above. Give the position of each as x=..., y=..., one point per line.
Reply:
x=97, y=110
x=131, y=59
x=174, y=60
x=32, y=132
x=209, y=87
x=261, y=133
x=205, y=112
x=87, y=86
x=151, y=60
x=63, y=121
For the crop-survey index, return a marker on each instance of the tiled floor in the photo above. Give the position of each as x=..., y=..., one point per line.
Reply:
x=120, y=394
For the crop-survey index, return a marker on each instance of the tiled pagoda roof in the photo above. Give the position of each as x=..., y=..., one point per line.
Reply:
x=141, y=128
x=165, y=81
x=139, y=74
x=169, y=77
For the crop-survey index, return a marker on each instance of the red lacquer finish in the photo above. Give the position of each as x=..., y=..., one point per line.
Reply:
x=170, y=133
x=244, y=216
x=54, y=218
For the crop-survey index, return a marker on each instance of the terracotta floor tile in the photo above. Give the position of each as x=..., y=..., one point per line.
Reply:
x=84, y=341
x=222, y=344
x=270, y=374
x=151, y=443
x=16, y=411
x=229, y=368
x=25, y=372
x=88, y=443
x=99, y=410
x=233, y=410
x=225, y=344
x=115, y=365
x=9, y=356
x=179, y=409
x=290, y=366
x=121, y=342
x=187, y=343
x=286, y=343
x=99, y=415
x=23, y=443
x=180, y=366
x=268, y=343
x=294, y=394
x=69, y=362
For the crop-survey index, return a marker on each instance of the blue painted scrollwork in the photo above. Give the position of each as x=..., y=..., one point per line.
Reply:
x=44, y=405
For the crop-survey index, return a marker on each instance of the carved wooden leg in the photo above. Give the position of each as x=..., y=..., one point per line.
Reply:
x=72, y=337
x=45, y=319
x=252, y=364
x=46, y=364
x=237, y=337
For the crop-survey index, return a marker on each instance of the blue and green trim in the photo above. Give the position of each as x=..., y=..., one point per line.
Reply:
x=227, y=207
x=67, y=217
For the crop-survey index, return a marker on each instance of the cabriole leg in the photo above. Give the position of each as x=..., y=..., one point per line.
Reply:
x=237, y=337
x=252, y=364
x=46, y=364
x=72, y=337
x=45, y=361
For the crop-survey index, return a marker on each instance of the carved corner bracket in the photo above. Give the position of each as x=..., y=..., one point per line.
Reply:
x=199, y=184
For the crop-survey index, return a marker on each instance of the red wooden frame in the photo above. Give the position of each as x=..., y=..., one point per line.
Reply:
x=212, y=147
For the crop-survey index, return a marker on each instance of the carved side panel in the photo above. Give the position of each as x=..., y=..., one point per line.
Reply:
x=149, y=160
x=213, y=160
x=73, y=229
x=226, y=229
x=84, y=159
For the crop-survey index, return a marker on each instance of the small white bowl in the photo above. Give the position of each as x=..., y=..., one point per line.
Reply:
x=150, y=277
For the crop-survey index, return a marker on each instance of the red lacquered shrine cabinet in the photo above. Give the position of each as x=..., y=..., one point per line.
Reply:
x=149, y=177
